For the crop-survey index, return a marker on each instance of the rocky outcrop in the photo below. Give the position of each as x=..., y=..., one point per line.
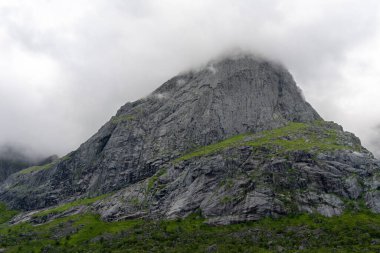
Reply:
x=226, y=98
x=251, y=180
x=234, y=141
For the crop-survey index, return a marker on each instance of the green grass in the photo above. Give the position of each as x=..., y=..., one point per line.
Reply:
x=60, y=234
x=213, y=148
x=313, y=137
x=299, y=136
x=154, y=179
x=350, y=232
x=44, y=167
x=122, y=118
x=65, y=158
x=6, y=214
x=64, y=207
x=37, y=168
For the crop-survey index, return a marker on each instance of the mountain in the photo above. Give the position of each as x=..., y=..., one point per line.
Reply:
x=10, y=166
x=13, y=159
x=234, y=141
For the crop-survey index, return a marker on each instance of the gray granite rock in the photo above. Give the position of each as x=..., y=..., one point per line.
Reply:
x=135, y=154
x=234, y=193
x=190, y=110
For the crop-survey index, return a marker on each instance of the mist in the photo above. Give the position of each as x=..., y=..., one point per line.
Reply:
x=66, y=67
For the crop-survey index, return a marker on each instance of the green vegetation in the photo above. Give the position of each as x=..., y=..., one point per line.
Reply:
x=135, y=201
x=226, y=200
x=64, y=207
x=313, y=137
x=37, y=168
x=65, y=158
x=69, y=234
x=350, y=232
x=6, y=214
x=213, y=148
x=154, y=179
x=122, y=118
x=299, y=136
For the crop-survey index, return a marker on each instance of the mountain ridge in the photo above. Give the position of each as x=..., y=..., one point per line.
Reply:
x=271, y=154
x=195, y=115
x=14, y=159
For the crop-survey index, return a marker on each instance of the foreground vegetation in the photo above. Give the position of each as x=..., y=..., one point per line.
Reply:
x=351, y=232
x=6, y=214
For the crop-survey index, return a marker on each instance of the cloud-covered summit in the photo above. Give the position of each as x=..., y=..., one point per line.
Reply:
x=67, y=67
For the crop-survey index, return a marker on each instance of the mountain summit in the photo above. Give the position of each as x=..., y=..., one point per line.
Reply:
x=234, y=141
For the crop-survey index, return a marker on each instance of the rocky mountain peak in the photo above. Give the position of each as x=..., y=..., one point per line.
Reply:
x=234, y=140
x=222, y=99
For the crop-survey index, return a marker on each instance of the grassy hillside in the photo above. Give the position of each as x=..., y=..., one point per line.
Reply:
x=315, y=137
x=351, y=232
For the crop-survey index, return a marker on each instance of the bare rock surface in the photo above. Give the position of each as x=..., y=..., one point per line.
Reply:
x=289, y=159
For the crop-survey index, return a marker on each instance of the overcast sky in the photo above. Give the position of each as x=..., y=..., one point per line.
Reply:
x=67, y=66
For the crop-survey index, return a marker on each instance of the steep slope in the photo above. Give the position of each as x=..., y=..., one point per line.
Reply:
x=13, y=160
x=302, y=167
x=10, y=166
x=230, y=143
x=234, y=141
x=226, y=98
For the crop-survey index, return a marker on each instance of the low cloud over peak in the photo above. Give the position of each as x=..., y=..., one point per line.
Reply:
x=67, y=67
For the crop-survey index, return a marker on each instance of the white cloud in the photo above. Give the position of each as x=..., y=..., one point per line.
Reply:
x=67, y=66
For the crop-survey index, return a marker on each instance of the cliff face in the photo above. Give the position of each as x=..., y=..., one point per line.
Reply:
x=303, y=167
x=234, y=140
